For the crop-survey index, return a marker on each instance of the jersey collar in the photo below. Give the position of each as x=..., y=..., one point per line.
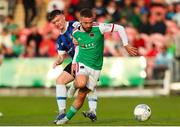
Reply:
x=67, y=25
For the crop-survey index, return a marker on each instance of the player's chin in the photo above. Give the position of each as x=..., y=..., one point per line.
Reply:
x=60, y=27
x=88, y=29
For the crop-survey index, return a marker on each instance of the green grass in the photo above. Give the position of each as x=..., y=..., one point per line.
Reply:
x=39, y=111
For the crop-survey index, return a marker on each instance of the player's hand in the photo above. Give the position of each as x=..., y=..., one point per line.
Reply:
x=55, y=64
x=131, y=50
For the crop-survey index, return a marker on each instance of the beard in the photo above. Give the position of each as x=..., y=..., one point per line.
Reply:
x=87, y=29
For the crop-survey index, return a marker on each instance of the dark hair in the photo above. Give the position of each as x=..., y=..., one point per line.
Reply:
x=86, y=12
x=53, y=14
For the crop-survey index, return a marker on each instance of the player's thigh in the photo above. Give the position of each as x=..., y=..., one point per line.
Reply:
x=81, y=76
x=64, y=78
x=93, y=78
x=81, y=80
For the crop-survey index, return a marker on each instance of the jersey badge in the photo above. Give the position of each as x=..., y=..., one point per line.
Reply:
x=91, y=34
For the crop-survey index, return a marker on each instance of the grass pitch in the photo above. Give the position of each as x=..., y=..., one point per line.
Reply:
x=118, y=111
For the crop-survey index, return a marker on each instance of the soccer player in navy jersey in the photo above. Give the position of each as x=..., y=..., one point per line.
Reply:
x=65, y=45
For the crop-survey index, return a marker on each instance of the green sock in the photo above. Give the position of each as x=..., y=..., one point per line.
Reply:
x=72, y=111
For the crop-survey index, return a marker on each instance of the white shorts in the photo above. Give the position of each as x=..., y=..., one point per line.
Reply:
x=92, y=74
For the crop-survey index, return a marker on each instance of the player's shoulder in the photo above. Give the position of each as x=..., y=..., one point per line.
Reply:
x=102, y=25
x=74, y=24
x=105, y=24
x=75, y=30
x=96, y=24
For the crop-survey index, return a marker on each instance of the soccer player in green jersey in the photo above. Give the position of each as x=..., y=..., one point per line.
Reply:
x=90, y=38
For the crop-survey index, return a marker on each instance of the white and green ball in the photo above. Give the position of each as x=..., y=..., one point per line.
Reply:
x=142, y=112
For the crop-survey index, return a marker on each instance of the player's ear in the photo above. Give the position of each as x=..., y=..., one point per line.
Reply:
x=80, y=22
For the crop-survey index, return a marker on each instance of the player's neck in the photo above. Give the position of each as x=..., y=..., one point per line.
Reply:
x=64, y=29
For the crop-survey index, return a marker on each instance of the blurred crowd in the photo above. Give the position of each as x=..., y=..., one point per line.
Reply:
x=152, y=27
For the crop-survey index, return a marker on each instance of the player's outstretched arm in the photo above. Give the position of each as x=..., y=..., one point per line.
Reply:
x=122, y=33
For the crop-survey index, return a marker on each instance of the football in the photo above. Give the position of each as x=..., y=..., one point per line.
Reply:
x=142, y=112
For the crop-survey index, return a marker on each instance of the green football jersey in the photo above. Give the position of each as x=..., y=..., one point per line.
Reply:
x=91, y=46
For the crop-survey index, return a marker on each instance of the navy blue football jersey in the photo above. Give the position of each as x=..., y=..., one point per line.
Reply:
x=65, y=42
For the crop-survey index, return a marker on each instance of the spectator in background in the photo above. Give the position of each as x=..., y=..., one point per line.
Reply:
x=176, y=17
x=157, y=17
x=67, y=6
x=172, y=31
x=69, y=10
x=18, y=47
x=112, y=45
x=163, y=61
x=136, y=17
x=7, y=44
x=124, y=21
x=170, y=11
x=30, y=11
x=138, y=42
x=127, y=10
x=150, y=57
x=153, y=51
x=159, y=26
x=10, y=24
x=47, y=47
x=55, y=5
x=30, y=51
x=34, y=39
x=99, y=8
x=145, y=24
x=112, y=10
x=143, y=7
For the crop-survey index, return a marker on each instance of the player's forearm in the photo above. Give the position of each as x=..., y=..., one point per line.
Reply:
x=122, y=33
x=60, y=59
x=75, y=55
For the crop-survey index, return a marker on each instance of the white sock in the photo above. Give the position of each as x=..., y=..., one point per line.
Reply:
x=92, y=101
x=61, y=97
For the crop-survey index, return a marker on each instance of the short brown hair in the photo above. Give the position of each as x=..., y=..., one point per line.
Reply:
x=86, y=12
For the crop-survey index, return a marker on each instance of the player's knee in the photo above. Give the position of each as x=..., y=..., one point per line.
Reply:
x=80, y=84
x=81, y=81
